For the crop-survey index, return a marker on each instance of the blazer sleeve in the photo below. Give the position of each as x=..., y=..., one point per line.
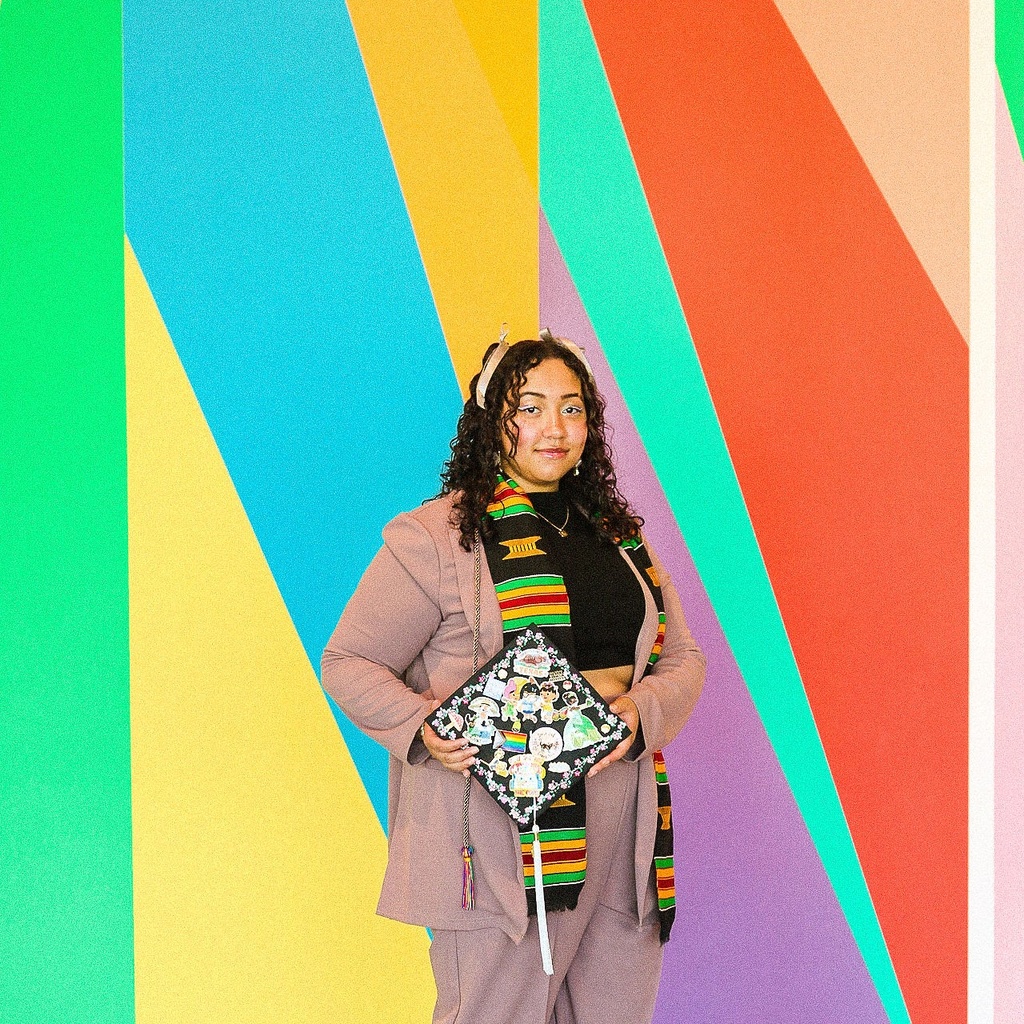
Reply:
x=388, y=621
x=666, y=696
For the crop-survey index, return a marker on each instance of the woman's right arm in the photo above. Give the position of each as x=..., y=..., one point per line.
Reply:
x=390, y=618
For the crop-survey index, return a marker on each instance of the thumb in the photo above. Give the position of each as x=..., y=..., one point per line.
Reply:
x=434, y=705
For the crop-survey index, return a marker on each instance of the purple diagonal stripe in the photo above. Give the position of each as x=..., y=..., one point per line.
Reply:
x=759, y=934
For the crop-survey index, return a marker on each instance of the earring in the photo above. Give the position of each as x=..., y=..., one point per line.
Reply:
x=576, y=469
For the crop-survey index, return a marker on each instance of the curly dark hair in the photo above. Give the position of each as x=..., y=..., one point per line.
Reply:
x=477, y=450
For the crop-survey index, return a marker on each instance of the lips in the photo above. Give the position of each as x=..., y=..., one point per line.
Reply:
x=553, y=453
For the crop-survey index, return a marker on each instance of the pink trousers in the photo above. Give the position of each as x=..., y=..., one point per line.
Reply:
x=607, y=963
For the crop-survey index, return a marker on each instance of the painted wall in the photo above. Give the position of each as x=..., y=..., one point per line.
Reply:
x=236, y=339
x=1009, y=509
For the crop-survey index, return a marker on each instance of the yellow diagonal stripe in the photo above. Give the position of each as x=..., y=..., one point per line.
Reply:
x=504, y=37
x=472, y=202
x=257, y=854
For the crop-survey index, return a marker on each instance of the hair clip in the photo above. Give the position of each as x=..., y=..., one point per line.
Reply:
x=490, y=366
x=575, y=349
x=502, y=348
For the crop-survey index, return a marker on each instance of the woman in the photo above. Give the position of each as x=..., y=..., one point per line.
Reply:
x=528, y=493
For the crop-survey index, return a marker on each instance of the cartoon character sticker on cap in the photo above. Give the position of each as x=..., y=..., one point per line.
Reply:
x=532, y=662
x=527, y=775
x=546, y=743
x=481, y=711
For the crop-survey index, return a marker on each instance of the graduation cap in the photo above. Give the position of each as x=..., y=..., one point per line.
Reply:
x=539, y=727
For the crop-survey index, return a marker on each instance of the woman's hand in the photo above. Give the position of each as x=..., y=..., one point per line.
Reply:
x=625, y=708
x=456, y=755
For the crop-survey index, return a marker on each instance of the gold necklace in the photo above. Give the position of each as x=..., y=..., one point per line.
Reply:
x=562, y=532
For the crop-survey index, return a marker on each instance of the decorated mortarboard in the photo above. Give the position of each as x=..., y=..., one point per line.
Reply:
x=538, y=724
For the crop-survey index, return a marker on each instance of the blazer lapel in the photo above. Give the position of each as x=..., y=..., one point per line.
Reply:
x=491, y=634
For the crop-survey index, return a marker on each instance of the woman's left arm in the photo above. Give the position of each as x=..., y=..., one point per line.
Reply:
x=666, y=696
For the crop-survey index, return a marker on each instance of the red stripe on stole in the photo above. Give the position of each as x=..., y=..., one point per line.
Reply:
x=557, y=856
x=554, y=856
x=659, y=640
x=503, y=493
x=533, y=599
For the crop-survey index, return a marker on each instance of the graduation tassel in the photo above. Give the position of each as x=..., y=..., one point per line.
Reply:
x=538, y=890
x=468, y=888
x=468, y=885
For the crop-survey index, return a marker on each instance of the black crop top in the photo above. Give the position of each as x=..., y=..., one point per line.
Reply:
x=606, y=600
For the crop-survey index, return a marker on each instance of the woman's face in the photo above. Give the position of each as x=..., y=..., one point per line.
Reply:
x=552, y=425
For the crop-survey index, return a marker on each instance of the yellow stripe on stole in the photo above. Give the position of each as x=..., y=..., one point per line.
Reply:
x=568, y=844
x=562, y=868
x=534, y=609
x=539, y=589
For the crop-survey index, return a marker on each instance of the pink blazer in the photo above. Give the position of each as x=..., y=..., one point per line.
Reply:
x=404, y=640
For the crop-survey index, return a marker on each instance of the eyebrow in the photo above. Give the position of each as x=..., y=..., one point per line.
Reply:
x=539, y=394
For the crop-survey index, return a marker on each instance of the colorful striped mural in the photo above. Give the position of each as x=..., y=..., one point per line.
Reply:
x=1009, y=506
x=252, y=256
x=65, y=786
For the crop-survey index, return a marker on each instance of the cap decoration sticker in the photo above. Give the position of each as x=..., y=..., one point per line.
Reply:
x=539, y=725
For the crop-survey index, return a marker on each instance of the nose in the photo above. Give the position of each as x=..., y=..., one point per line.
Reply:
x=555, y=424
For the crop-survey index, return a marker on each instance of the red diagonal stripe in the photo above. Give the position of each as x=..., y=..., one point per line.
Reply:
x=840, y=382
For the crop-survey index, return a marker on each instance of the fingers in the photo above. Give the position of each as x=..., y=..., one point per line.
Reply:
x=611, y=757
x=459, y=760
x=438, y=746
x=455, y=755
x=625, y=707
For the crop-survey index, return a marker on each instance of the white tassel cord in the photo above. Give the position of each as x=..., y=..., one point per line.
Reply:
x=538, y=890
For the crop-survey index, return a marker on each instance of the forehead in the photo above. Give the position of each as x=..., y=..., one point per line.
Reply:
x=552, y=378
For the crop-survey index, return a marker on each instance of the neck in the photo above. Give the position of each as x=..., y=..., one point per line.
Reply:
x=530, y=488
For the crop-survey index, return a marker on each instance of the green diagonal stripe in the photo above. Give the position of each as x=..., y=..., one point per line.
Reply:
x=596, y=207
x=1010, y=60
x=66, y=948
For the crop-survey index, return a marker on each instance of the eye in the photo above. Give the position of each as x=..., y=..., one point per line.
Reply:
x=573, y=410
x=528, y=409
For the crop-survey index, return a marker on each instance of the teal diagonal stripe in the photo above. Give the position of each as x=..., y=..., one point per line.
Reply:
x=280, y=252
x=595, y=203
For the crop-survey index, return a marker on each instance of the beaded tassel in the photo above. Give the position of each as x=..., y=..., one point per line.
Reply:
x=468, y=887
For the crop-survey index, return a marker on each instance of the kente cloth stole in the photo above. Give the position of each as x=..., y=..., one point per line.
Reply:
x=531, y=592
